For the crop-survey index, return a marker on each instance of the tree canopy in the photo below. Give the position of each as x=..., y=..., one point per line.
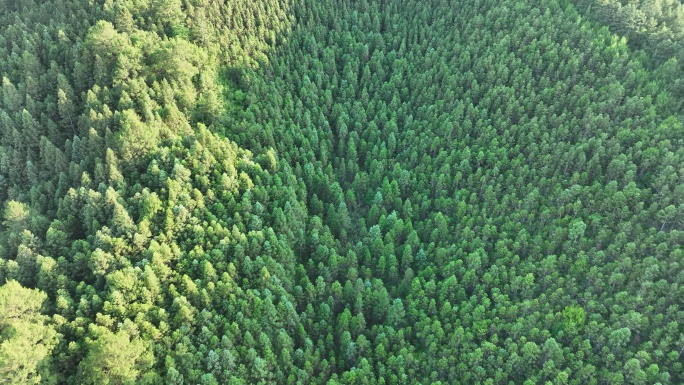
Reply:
x=344, y=192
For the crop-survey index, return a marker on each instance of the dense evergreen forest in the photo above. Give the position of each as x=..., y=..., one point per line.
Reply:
x=344, y=192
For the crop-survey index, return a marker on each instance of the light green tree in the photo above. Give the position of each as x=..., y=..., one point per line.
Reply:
x=26, y=340
x=115, y=358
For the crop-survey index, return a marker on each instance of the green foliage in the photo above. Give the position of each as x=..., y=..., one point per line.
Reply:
x=654, y=27
x=16, y=215
x=282, y=191
x=113, y=358
x=26, y=339
x=574, y=315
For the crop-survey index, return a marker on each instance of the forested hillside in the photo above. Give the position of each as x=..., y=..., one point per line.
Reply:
x=345, y=192
x=652, y=27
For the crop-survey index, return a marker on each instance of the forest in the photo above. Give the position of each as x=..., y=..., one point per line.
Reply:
x=342, y=192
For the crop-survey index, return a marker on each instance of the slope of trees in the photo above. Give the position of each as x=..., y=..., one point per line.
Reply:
x=214, y=192
x=654, y=27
